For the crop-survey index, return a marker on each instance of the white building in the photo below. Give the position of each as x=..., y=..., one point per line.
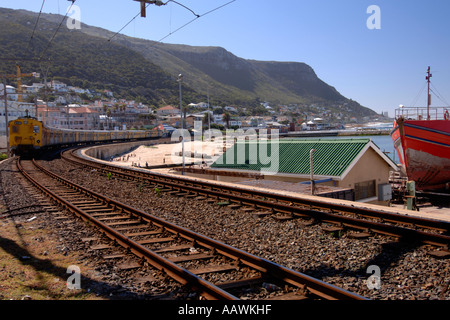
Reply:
x=231, y=109
x=58, y=85
x=15, y=110
x=202, y=105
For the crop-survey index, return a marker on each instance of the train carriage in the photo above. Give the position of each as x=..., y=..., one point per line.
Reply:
x=82, y=136
x=27, y=135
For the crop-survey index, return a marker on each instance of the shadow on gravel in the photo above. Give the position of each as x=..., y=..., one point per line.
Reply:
x=17, y=248
x=102, y=289
x=388, y=257
x=391, y=253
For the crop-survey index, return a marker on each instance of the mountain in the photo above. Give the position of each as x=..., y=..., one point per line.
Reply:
x=81, y=60
x=146, y=70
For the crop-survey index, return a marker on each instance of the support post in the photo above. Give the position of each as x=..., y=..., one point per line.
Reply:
x=311, y=167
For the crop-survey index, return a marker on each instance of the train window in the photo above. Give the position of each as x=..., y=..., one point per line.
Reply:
x=17, y=122
x=15, y=129
x=35, y=129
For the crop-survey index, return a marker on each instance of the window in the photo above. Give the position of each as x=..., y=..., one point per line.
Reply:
x=35, y=129
x=365, y=190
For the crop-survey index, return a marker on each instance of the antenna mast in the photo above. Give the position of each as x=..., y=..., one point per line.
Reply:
x=428, y=78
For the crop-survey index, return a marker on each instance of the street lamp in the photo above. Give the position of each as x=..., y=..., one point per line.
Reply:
x=6, y=118
x=209, y=114
x=313, y=186
x=180, y=80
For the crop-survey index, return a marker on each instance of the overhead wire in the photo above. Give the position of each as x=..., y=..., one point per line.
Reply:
x=37, y=20
x=56, y=31
x=180, y=4
x=197, y=16
x=146, y=6
x=115, y=34
x=413, y=103
x=35, y=25
x=219, y=7
x=437, y=93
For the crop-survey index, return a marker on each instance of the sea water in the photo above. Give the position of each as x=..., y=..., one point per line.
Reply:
x=384, y=143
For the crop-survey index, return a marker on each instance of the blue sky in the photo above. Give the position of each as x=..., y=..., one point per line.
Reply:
x=379, y=68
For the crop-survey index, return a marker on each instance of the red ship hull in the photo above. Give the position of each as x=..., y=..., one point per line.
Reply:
x=423, y=147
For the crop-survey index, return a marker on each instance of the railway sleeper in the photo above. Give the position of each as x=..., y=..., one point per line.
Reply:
x=143, y=233
x=113, y=218
x=173, y=248
x=104, y=209
x=268, y=284
x=138, y=250
x=440, y=254
x=213, y=269
x=308, y=222
x=283, y=216
x=112, y=224
x=262, y=214
x=356, y=233
x=332, y=229
x=129, y=265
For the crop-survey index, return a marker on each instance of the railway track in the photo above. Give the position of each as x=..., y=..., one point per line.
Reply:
x=173, y=249
x=361, y=222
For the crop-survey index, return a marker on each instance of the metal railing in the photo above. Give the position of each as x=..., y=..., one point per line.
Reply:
x=423, y=113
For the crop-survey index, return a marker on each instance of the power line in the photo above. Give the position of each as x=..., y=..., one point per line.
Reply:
x=180, y=4
x=172, y=32
x=440, y=97
x=197, y=16
x=413, y=103
x=35, y=25
x=140, y=13
x=37, y=20
x=115, y=34
x=57, y=29
x=219, y=7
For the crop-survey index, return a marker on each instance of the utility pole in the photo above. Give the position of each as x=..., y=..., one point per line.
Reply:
x=180, y=80
x=313, y=186
x=6, y=116
x=428, y=78
x=144, y=2
x=209, y=114
x=18, y=76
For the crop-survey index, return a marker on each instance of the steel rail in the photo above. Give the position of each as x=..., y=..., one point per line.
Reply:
x=315, y=286
x=182, y=183
x=181, y=275
x=199, y=188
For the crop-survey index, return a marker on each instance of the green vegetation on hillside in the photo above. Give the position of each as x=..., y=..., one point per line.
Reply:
x=146, y=71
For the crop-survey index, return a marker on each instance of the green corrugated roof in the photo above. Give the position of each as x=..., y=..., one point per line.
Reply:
x=331, y=158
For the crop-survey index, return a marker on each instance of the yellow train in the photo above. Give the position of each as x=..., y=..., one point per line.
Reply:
x=28, y=135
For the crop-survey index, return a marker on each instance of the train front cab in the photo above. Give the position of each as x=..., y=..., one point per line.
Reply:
x=25, y=135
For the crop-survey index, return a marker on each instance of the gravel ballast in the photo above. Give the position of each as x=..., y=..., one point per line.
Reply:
x=407, y=271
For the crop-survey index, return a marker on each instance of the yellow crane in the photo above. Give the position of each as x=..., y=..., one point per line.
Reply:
x=19, y=81
x=19, y=76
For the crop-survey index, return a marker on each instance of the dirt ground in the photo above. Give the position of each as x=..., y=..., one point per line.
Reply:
x=33, y=258
x=32, y=264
